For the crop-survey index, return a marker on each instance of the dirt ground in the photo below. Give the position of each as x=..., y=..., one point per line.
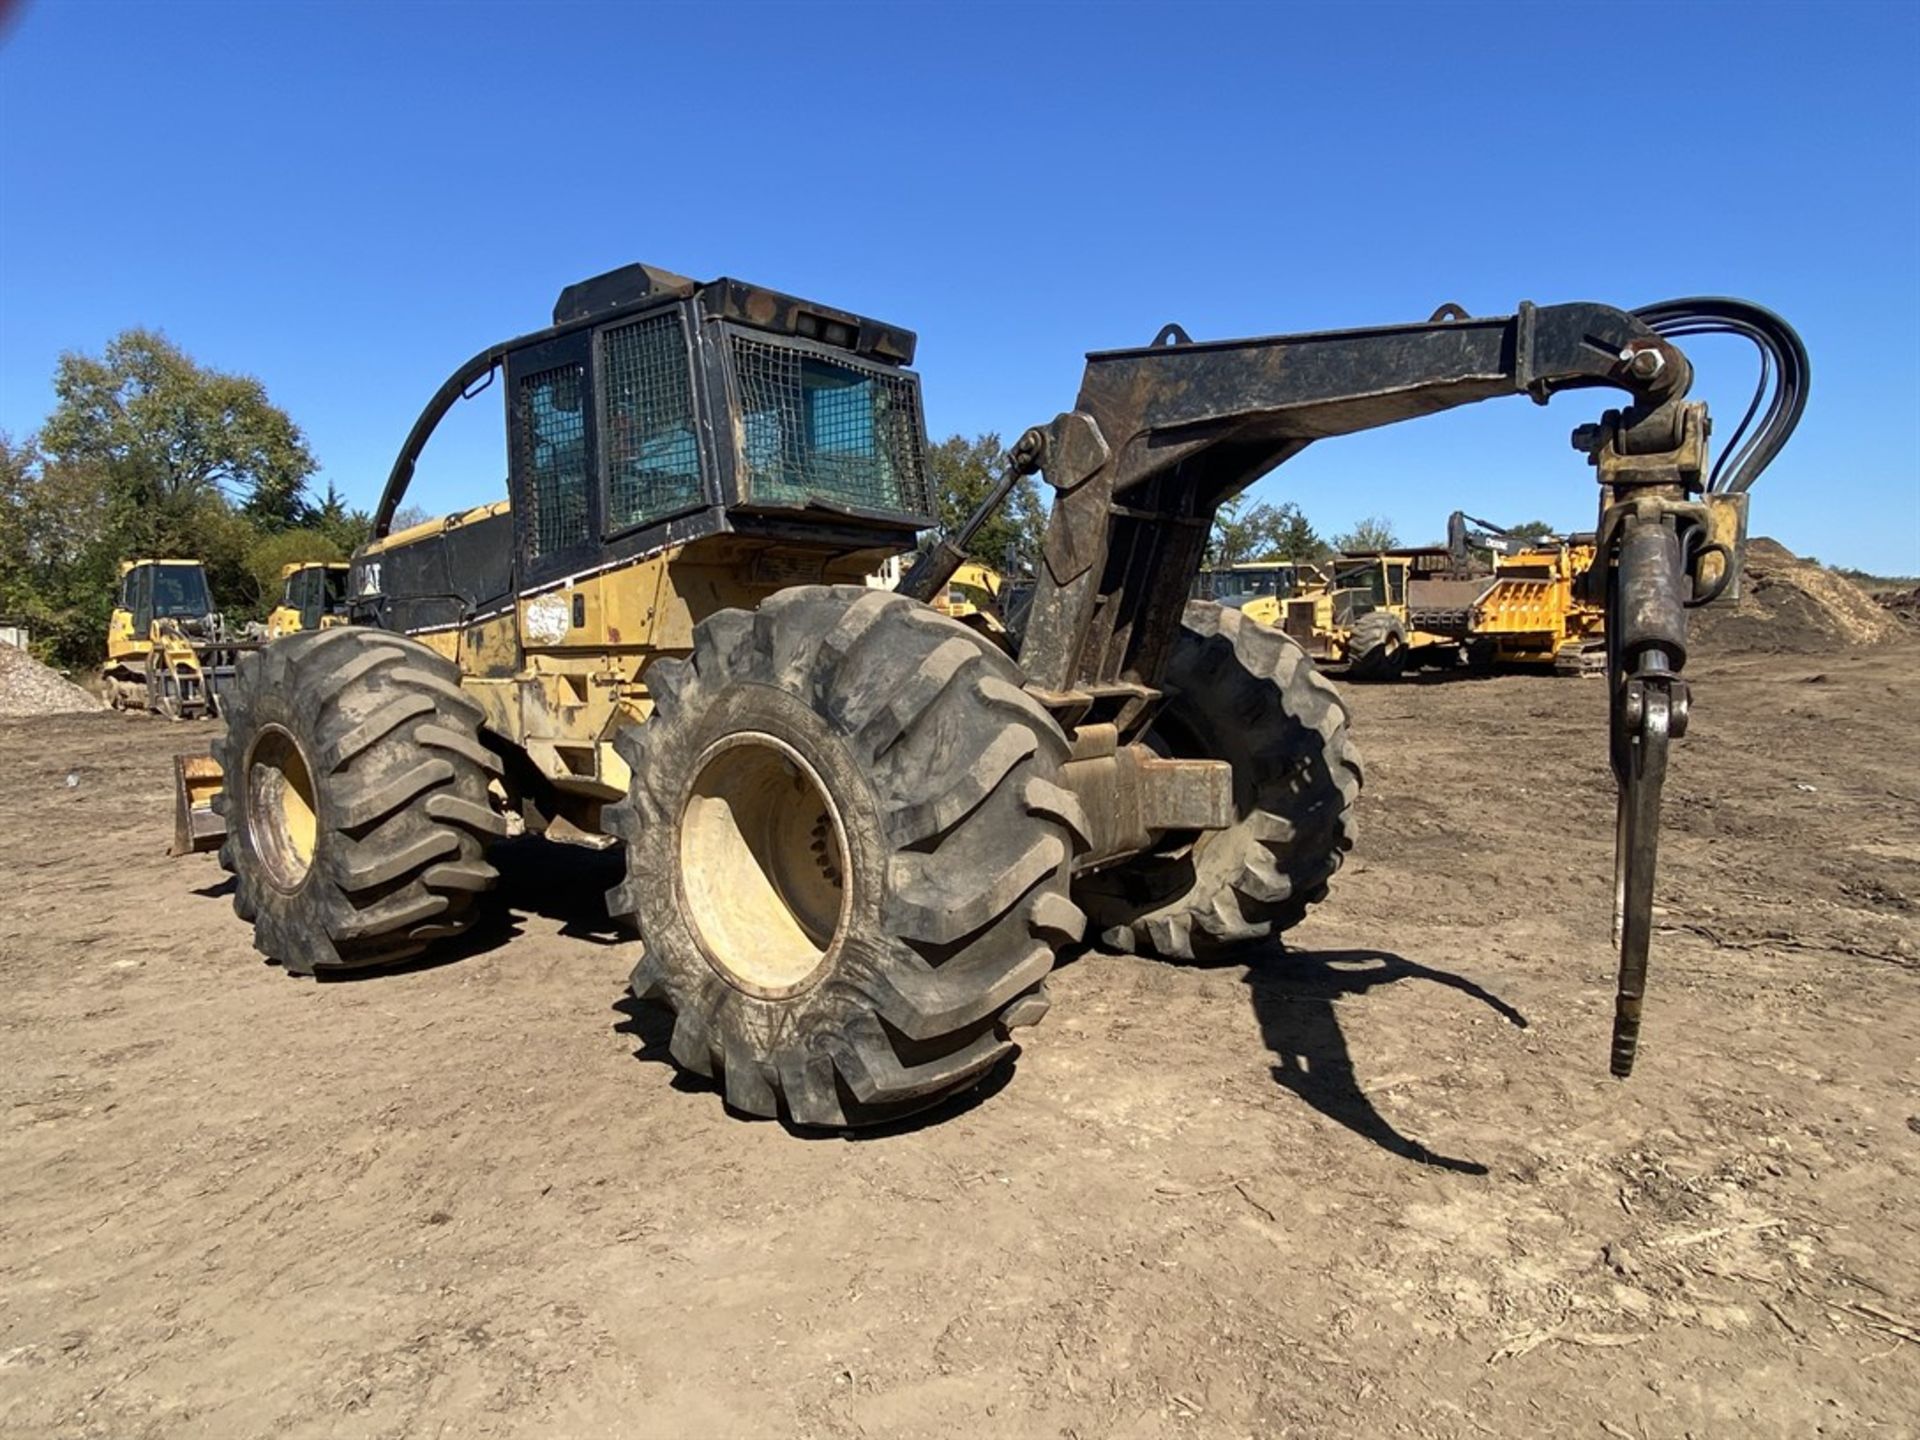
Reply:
x=1378, y=1184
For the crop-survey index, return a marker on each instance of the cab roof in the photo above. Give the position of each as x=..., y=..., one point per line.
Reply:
x=633, y=287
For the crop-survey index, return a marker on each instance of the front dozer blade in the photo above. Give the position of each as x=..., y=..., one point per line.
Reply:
x=196, y=780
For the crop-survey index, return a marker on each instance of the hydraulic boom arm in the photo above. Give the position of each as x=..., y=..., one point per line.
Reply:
x=1161, y=436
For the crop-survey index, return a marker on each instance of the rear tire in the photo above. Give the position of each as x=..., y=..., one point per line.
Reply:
x=1378, y=647
x=847, y=855
x=355, y=799
x=1245, y=693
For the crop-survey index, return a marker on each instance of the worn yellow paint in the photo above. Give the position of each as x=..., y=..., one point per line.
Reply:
x=1726, y=525
x=560, y=691
x=433, y=527
x=122, y=644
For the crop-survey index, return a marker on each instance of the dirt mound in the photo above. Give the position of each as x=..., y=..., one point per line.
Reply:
x=29, y=688
x=1902, y=605
x=1792, y=606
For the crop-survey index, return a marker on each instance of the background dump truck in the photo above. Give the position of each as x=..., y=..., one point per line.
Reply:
x=856, y=832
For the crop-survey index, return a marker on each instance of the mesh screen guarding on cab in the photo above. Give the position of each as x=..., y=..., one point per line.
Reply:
x=647, y=426
x=553, y=451
x=814, y=427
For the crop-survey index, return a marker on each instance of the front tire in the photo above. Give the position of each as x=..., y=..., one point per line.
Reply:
x=847, y=855
x=355, y=799
x=1245, y=693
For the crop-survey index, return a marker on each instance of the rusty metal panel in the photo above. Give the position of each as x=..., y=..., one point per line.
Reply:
x=196, y=780
x=1726, y=526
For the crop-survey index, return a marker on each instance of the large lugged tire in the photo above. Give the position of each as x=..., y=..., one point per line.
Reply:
x=355, y=799
x=847, y=854
x=1245, y=693
x=1378, y=647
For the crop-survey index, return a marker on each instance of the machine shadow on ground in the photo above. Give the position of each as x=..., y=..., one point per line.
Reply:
x=567, y=883
x=1442, y=674
x=1294, y=993
x=1295, y=996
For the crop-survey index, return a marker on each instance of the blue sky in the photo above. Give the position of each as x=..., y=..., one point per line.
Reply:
x=348, y=200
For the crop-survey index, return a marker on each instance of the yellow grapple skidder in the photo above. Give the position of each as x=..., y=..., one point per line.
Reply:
x=856, y=833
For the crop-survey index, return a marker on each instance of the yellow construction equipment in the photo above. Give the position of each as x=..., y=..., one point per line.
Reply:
x=1358, y=618
x=856, y=833
x=313, y=596
x=167, y=649
x=1531, y=610
x=1258, y=588
x=974, y=597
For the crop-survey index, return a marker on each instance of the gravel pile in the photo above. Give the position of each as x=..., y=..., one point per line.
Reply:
x=29, y=688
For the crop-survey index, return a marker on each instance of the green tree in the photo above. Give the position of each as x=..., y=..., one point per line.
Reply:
x=147, y=454
x=169, y=434
x=270, y=553
x=57, y=560
x=1243, y=533
x=962, y=472
x=1532, y=530
x=347, y=529
x=1293, y=537
x=1369, y=536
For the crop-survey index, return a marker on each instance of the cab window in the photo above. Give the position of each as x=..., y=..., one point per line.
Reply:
x=647, y=428
x=179, y=592
x=312, y=598
x=553, y=454
x=140, y=597
x=1363, y=577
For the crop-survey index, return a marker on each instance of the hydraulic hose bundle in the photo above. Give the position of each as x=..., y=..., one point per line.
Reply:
x=1783, y=371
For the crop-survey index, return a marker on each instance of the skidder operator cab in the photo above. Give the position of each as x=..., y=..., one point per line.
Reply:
x=657, y=411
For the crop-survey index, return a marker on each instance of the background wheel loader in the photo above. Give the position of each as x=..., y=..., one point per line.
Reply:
x=167, y=647
x=856, y=833
x=1350, y=613
x=975, y=596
